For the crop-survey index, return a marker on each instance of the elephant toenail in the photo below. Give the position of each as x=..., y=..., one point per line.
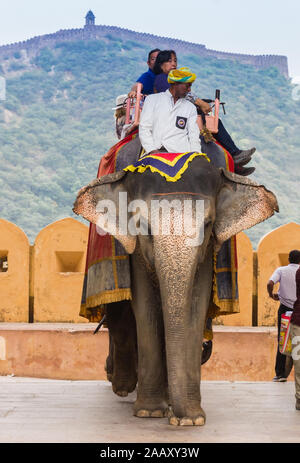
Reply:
x=143, y=414
x=174, y=421
x=200, y=421
x=186, y=422
x=157, y=414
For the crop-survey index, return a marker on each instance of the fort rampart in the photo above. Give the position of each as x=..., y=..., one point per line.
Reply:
x=99, y=32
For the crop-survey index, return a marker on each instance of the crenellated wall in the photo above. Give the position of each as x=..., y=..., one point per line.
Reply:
x=98, y=32
x=43, y=282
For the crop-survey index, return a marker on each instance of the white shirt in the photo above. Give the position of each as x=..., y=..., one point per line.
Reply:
x=287, y=277
x=173, y=126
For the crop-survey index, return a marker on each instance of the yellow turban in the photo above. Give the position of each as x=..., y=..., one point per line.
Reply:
x=181, y=75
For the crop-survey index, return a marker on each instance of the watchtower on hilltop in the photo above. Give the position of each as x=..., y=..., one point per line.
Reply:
x=90, y=18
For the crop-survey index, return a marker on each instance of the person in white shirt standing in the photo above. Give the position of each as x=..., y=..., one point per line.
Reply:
x=286, y=277
x=169, y=122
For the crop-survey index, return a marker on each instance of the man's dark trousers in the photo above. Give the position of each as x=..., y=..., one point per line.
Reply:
x=283, y=363
x=225, y=139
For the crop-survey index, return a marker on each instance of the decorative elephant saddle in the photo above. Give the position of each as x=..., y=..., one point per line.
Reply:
x=171, y=166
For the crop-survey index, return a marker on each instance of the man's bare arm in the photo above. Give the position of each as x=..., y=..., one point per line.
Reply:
x=205, y=107
x=270, y=287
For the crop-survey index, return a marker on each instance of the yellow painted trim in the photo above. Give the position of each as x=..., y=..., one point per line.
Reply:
x=142, y=153
x=175, y=160
x=224, y=269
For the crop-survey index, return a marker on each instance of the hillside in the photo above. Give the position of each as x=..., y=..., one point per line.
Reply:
x=57, y=122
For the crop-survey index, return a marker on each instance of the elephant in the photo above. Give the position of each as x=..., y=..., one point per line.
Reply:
x=172, y=279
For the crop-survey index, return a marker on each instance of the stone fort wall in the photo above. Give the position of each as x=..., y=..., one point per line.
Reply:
x=42, y=335
x=98, y=32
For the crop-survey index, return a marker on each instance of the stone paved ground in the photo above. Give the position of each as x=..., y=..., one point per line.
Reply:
x=39, y=410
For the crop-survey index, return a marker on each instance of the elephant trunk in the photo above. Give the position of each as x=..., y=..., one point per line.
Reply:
x=176, y=265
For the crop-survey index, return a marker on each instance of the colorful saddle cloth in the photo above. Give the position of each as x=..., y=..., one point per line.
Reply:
x=171, y=166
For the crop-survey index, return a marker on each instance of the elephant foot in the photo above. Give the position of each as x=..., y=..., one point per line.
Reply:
x=123, y=380
x=123, y=387
x=145, y=409
x=194, y=420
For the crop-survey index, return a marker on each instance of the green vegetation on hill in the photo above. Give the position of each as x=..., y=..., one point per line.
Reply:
x=57, y=122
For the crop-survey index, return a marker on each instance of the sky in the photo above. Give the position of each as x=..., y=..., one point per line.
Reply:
x=248, y=26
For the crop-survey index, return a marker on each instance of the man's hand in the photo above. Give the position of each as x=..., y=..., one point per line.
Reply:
x=275, y=297
x=132, y=94
x=133, y=91
x=205, y=107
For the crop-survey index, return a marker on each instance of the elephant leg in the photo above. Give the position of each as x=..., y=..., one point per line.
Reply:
x=122, y=360
x=152, y=375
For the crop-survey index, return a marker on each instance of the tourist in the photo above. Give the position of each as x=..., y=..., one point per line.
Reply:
x=286, y=277
x=295, y=331
x=146, y=79
x=120, y=114
x=166, y=61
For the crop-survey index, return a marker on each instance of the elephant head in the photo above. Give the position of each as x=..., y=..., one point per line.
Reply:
x=233, y=203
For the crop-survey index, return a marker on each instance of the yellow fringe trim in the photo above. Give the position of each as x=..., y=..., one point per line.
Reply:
x=94, y=315
x=140, y=169
x=109, y=296
x=92, y=304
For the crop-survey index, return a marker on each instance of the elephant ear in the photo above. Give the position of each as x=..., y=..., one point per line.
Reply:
x=105, y=188
x=241, y=204
x=109, y=178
